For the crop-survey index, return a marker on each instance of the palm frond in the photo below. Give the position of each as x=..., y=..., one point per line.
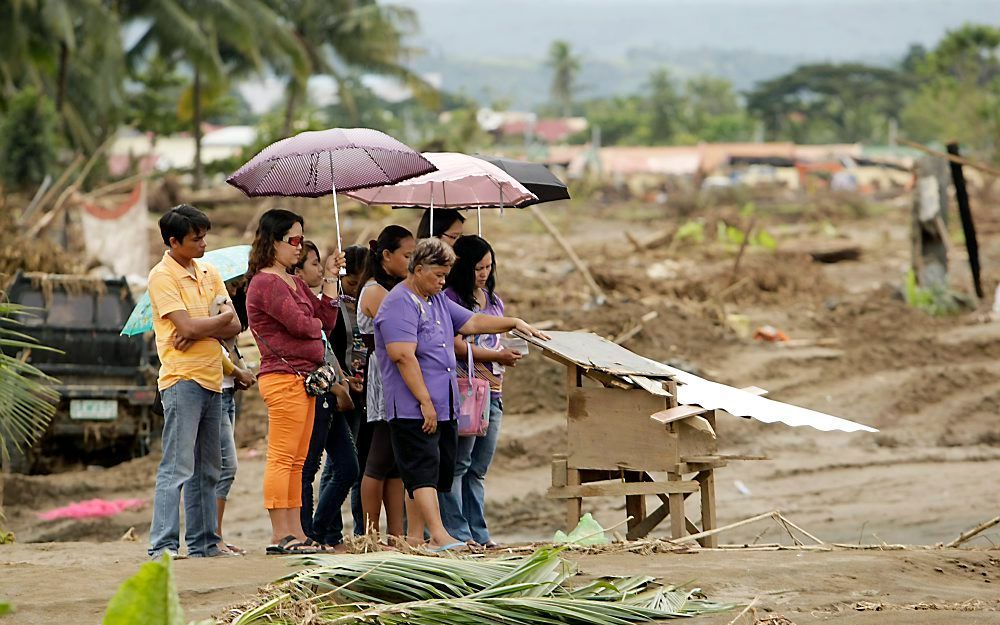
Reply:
x=393, y=589
x=27, y=399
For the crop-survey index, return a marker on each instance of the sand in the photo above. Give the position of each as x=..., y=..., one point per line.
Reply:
x=930, y=385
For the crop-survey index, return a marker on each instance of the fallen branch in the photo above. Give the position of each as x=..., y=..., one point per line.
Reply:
x=965, y=536
x=951, y=157
x=637, y=328
x=724, y=528
x=804, y=533
x=582, y=268
x=52, y=190
x=63, y=199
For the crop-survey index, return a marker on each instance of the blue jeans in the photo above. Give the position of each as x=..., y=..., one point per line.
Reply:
x=462, y=508
x=332, y=433
x=192, y=419
x=227, y=435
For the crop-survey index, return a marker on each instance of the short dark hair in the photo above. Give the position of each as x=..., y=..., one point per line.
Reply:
x=471, y=249
x=432, y=252
x=444, y=218
x=180, y=221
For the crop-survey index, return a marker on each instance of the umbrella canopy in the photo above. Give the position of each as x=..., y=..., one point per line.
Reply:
x=231, y=263
x=322, y=162
x=534, y=176
x=460, y=181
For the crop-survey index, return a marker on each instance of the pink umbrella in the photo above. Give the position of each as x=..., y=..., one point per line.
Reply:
x=318, y=163
x=460, y=181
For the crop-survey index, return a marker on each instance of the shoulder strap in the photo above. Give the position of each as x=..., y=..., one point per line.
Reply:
x=275, y=352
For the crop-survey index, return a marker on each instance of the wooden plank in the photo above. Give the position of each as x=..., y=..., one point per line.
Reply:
x=648, y=524
x=608, y=380
x=665, y=417
x=610, y=429
x=650, y=385
x=754, y=390
x=591, y=351
x=617, y=488
x=559, y=470
x=706, y=479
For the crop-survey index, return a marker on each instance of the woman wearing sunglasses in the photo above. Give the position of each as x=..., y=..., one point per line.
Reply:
x=287, y=321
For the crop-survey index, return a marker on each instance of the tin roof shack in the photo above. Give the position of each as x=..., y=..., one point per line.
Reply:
x=628, y=417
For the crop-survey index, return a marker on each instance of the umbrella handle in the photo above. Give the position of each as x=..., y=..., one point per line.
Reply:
x=336, y=216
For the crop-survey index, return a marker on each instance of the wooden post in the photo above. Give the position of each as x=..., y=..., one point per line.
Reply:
x=677, y=528
x=574, y=507
x=635, y=505
x=965, y=212
x=706, y=480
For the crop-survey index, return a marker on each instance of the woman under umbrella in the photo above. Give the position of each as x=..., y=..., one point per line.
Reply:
x=414, y=333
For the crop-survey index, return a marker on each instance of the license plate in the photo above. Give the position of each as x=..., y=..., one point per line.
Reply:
x=93, y=409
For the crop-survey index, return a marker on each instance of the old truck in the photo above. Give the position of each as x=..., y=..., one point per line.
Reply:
x=106, y=381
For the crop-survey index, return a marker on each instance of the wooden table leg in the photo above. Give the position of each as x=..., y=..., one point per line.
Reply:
x=574, y=506
x=635, y=505
x=677, y=528
x=706, y=479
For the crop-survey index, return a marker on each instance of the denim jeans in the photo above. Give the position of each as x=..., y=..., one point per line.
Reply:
x=332, y=433
x=191, y=457
x=462, y=508
x=227, y=435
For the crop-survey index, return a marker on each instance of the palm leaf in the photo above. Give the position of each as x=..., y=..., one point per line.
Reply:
x=27, y=399
x=391, y=588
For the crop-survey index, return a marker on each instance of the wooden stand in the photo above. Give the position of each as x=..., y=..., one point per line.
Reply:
x=614, y=445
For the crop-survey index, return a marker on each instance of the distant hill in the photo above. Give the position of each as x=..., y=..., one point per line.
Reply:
x=495, y=49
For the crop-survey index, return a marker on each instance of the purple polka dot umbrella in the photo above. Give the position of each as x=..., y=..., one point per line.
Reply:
x=326, y=162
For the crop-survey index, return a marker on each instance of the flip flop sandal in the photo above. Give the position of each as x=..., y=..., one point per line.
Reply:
x=456, y=546
x=302, y=548
x=280, y=549
x=236, y=549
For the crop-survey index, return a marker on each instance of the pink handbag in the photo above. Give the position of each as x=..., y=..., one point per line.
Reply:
x=474, y=394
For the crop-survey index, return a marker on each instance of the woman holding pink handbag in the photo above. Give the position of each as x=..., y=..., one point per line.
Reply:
x=472, y=285
x=414, y=341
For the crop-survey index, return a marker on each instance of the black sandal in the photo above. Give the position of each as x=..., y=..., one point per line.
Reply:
x=290, y=545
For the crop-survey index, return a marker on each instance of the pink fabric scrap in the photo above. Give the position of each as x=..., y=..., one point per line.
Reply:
x=92, y=508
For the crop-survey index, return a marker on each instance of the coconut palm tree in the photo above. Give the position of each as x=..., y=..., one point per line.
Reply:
x=343, y=37
x=70, y=51
x=215, y=40
x=565, y=67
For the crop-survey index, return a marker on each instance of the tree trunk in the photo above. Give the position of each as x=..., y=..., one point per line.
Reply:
x=63, y=76
x=196, y=115
x=291, y=102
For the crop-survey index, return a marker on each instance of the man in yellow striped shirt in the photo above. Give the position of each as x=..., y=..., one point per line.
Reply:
x=181, y=291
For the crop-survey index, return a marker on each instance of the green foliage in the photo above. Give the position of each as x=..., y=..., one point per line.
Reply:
x=693, y=231
x=6, y=608
x=147, y=598
x=27, y=399
x=153, y=104
x=27, y=141
x=959, y=94
x=830, y=103
x=936, y=301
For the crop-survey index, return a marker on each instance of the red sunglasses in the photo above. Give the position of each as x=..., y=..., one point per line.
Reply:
x=295, y=241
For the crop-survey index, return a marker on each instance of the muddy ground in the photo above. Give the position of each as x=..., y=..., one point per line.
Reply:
x=858, y=351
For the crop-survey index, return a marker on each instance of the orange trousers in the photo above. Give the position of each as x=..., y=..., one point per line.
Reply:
x=290, y=414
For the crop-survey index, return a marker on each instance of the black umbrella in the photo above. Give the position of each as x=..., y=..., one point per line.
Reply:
x=535, y=176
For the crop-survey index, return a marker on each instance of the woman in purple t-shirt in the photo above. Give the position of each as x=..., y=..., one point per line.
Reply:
x=472, y=284
x=414, y=339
